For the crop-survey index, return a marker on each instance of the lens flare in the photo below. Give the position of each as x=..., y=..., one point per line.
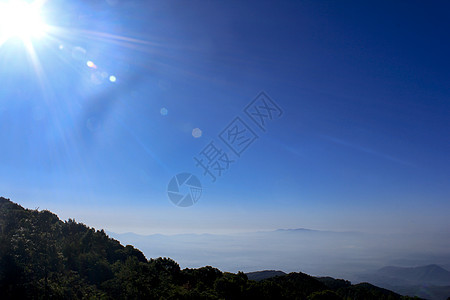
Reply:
x=91, y=65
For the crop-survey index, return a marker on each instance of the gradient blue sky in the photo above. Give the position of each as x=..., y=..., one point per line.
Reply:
x=363, y=143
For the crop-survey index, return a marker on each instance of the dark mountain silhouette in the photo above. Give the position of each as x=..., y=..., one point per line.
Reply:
x=431, y=274
x=424, y=291
x=430, y=282
x=42, y=257
x=334, y=284
x=260, y=275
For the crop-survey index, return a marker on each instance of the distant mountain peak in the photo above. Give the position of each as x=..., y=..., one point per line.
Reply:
x=295, y=229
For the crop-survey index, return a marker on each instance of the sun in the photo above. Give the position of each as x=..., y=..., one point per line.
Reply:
x=21, y=19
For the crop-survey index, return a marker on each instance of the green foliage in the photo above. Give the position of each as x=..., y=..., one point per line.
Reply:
x=334, y=284
x=42, y=257
x=367, y=291
x=324, y=295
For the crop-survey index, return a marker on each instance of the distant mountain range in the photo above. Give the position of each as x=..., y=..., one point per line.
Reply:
x=430, y=281
x=426, y=275
x=355, y=256
x=331, y=253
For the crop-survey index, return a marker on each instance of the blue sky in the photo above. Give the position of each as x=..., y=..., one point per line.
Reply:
x=362, y=144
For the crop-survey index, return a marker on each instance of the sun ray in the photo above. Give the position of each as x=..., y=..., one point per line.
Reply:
x=123, y=41
x=34, y=61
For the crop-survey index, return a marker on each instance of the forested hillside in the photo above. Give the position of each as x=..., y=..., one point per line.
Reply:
x=42, y=257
